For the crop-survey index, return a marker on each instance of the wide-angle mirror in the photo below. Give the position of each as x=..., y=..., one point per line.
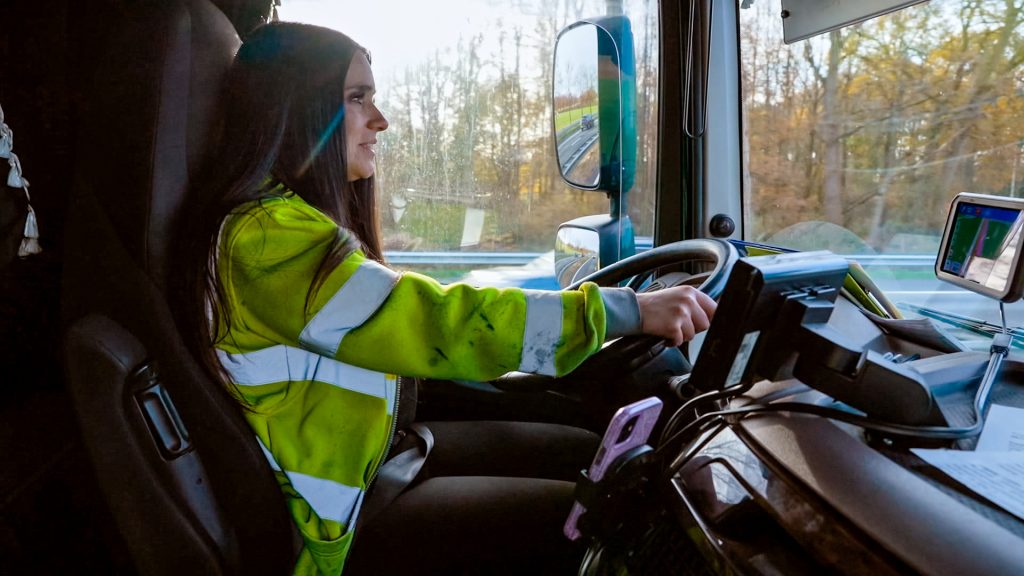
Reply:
x=577, y=253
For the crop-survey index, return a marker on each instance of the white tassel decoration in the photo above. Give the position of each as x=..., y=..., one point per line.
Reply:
x=6, y=141
x=30, y=243
x=14, y=178
x=31, y=226
x=6, y=137
x=30, y=237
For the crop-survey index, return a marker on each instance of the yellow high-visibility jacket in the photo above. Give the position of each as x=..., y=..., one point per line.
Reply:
x=319, y=381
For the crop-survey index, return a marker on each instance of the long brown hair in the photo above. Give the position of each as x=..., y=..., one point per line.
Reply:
x=281, y=125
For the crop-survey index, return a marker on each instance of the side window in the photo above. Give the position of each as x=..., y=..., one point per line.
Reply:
x=467, y=177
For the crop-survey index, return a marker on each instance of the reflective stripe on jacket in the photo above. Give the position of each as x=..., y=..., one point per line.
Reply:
x=318, y=379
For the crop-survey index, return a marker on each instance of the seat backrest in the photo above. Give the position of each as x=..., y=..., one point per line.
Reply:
x=189, y=486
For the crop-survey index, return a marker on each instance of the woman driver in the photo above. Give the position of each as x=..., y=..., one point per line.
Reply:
x=295, y=312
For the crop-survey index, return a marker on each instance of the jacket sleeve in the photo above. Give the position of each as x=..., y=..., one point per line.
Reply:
x=459, y=331
x=368, y=315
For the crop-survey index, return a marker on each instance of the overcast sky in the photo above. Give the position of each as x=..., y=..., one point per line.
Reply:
x=398, y=33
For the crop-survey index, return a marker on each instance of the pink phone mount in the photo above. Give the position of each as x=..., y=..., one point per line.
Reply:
x=618, y=498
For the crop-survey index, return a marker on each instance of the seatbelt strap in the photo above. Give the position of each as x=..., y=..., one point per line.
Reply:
x=395, y=475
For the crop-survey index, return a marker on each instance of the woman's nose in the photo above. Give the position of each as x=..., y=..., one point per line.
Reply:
x=378, y=122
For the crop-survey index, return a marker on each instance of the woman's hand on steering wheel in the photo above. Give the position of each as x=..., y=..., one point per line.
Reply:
x=676, y=314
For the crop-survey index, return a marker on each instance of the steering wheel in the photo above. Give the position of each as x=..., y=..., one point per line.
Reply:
x=712, y=250
x=631, y=355
x=631, y=352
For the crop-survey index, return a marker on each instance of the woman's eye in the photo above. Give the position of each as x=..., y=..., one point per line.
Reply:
x=357, y=98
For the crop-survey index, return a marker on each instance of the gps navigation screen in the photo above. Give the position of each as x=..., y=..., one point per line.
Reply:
x=983, y=243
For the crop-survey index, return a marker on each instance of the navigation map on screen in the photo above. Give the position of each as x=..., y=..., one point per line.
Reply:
x=983, y=244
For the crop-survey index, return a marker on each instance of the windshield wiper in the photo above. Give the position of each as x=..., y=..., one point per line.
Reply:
x=972, y=325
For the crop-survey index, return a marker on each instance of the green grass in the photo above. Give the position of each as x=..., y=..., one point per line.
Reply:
x=566, y=117
x=437, y=225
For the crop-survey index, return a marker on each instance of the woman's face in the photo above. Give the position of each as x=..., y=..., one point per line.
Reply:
x=362, y=119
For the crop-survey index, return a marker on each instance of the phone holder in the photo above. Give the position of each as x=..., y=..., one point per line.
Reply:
x=618, y=500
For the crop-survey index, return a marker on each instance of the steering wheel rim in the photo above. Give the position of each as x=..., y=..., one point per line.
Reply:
x=721, y=252
x=633, y=352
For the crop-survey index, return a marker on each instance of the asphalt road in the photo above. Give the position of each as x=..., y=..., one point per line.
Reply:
x=572, y=148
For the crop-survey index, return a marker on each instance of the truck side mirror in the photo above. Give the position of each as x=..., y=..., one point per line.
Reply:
x=594, y=104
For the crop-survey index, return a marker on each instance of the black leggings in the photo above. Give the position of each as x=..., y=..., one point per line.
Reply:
x=491, y=499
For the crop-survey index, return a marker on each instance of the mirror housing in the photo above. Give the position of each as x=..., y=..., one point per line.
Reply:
x=594, y=104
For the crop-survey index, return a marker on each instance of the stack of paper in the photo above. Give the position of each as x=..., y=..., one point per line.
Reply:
x=995, y=469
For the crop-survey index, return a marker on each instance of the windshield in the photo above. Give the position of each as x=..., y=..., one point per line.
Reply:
x=857, y=140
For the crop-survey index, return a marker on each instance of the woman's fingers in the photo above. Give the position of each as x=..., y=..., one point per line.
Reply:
x=676, y=314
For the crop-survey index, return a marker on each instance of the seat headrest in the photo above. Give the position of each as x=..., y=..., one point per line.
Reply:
x=246, y=15
x=148, y=126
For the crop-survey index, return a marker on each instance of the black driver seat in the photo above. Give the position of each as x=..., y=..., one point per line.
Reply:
x=187, y=483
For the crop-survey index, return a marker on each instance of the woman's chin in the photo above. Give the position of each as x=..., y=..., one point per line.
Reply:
x=354, y=175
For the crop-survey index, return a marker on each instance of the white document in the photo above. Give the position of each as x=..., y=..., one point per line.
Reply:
x=1004, y=430
x=997, y=476
x=473, y=227
x=995, y=470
